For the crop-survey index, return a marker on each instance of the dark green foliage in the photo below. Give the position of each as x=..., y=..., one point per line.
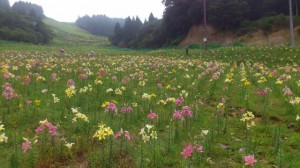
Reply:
x=135, y=34
x=151, y=18
x=259, y=9
x=267, y=24
x=15, y=27
x=229, y=15
x=99, y=24
x=236, y=44
x=177, y=21
x=150, y=35
x=222, y=14
x=296, y=21
x=26, y=8
x=230, y=18
x=239, y=16
x=117, y=35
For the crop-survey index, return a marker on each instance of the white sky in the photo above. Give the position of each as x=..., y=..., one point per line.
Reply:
x=70, y=10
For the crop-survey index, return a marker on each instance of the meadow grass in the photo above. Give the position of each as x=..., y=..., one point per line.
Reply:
x=158, y=106
x=68, y=35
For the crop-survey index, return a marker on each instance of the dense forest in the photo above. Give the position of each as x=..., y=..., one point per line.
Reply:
x=99, y=24
x=135, y=34
x=26, y=8
x=23, y=22
x=179, y=16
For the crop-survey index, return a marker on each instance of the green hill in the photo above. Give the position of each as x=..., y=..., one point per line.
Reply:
x=68, y=34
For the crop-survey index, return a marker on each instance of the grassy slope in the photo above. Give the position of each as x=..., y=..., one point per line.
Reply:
x=68, y=34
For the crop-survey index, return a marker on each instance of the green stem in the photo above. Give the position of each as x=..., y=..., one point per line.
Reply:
x=121, y=145
x=142, y=159
x=110, y=150
x=225, y=129
x=154, y=153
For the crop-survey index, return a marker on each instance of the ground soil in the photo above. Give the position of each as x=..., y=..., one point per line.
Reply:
x=257, y=38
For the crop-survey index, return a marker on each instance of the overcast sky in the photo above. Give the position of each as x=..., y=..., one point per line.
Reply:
x=70, y=10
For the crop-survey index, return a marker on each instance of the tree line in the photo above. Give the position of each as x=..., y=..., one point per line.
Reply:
x=99, y=24
x=136, y=34
x=23, y=22
x=180, y=15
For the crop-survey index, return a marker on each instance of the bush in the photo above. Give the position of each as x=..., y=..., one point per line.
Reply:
x=237, y=44
x=266, y=26
x=296, y=20
x=17, y=27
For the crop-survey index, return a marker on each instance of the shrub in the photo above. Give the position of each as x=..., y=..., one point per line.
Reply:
x=237, y=44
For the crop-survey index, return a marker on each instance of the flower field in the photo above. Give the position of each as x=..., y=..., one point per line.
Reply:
x=160, y=108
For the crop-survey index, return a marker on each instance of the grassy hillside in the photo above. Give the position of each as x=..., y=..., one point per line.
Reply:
x=68, y=34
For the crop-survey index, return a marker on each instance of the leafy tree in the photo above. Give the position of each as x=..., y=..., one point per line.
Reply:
x=236, y=11
x=23, y=28
x=26, y=8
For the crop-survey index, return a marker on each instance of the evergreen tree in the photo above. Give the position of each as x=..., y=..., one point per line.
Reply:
x=150, y=35
x=118, y=34
x=138, y=23
x=180, y=15
x=176, y=24
x=128, y=32
x=230, y=18
x=151, y=18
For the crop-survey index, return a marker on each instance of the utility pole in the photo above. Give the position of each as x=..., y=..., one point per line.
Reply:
x=204, y=25
x=291, y=24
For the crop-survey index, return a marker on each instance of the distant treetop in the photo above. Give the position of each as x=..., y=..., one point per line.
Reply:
x=27, y=8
